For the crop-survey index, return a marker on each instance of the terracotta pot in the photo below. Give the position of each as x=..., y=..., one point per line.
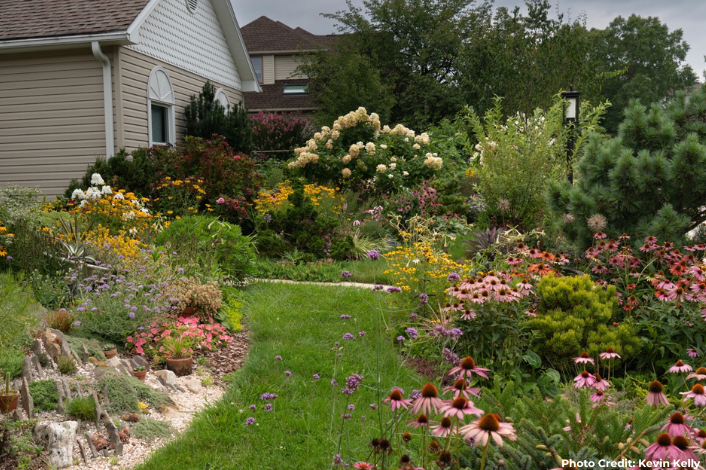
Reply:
x=188, y=312
x=180, y=367
x=8, y=403
x=140, y=374
x=111, y=353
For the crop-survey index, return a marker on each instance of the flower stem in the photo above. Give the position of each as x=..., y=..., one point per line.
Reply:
x=485, y=453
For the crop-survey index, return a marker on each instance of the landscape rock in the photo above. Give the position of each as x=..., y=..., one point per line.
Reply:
x=138, y=361
x=38, y=366
x=99, y=372
x=117, y=364
x=193, y=384
x=58, y=440
x=37, y=347
x=27, y=369
x=65, y=349
x=113, y=434
x=167, y=376
x=84, y=353
x=155, y=384
x=61, y=409
x=27, y=402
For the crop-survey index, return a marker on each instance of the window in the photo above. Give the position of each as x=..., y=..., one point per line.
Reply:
x=257, y=65
x=160, y=108
x=222, y=98
x=296, y=89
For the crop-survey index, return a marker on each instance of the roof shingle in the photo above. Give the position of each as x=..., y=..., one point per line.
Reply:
x=26, y=19
x=273, y=98
x=264, y=34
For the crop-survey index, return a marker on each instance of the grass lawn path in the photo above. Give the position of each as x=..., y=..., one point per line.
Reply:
x=300, y=323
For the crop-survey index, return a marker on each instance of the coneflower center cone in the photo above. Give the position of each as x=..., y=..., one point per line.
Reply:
x=598, y=376
x=610, y=350
x=679, y=363
x=681, y=442
x=429, y=391
x=585, y=374
x=698, y=389
x=459, y=403
x=677, y=418
x=407, y=437
x=701, y=371
x=395, y=395
x=655, y=387
x=664, y=440
x=585, y=355
x=489, y=422
x=422, y=419
x=702, y=434
x=446, y=422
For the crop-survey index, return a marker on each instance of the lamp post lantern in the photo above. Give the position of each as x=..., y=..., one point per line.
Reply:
x=571, y=119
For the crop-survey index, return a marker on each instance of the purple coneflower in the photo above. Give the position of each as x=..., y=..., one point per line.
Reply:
x=676, y=427
x=460, y=388
x=584, y=380
x=693, y=352
x=655, y=395
x=663, y=449
x=428, y=401
x=597, y=396
x=488, y=426
x=699, y=435
x=698, y=393
x=468, y=368
x=363, y=465
x=444, y=429
x=609, y=354
x=421, y=420
x=682, y=443
x=700, y=374
x=584, y=358
x=459, y=407
x=680, y=367
x=600, y=383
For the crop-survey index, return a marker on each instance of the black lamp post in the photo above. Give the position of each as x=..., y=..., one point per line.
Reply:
x=571, y=119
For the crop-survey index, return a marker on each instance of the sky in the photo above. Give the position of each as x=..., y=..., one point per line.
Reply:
x=689, y=15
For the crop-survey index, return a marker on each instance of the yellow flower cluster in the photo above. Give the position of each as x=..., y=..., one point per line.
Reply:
x=168, y=182
x=4, y=234
x=120, y=247
x=122, y=208
x=410, y=263
x=274, y=200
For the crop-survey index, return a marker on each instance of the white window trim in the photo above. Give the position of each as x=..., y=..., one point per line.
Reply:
x=170, y=106
x=224, y=93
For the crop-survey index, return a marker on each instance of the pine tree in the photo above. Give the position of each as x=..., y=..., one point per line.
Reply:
x=649, y=180
x=205, y=116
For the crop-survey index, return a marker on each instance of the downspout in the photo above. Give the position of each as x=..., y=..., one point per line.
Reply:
x=107, y=98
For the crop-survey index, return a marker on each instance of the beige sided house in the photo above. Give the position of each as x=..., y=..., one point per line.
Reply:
x=275, y=50
x=83, y=78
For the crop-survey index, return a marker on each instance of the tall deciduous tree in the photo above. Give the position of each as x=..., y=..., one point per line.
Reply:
x=653, y=59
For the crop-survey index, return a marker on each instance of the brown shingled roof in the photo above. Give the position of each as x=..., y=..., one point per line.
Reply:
x=273, y=98
x=25, y=19
x=264, y=34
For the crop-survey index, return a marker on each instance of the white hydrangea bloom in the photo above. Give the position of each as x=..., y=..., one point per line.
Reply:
x=393, y=166
x=96, y=179
x=78, y=195
x=381, y=168
x=106, y=190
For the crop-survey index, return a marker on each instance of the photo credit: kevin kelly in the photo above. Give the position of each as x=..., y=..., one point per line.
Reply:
x=625, y=463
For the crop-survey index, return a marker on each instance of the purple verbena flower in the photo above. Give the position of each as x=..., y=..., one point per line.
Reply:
x=411, y=332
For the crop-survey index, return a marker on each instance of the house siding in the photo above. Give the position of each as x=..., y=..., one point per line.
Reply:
x=284, y=67
x=268, y=70
x=52, y=121
x=136, y=68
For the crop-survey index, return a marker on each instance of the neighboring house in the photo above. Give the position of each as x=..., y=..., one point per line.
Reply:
x=84, y=78
x=275, y=51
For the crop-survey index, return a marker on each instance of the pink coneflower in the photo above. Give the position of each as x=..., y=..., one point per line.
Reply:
x=468, y=314
x=655, y=395
x=444, y=429
x=693, y=352
x=609, y=354
x=584, y=380
x=663, y=449
x=488, y=426
x=363, y=465
x=460, y=388
x=428, y=401
x=651, y=239
x=421, y=420
x=700, y=374
x=584, y=358
x=600, y=383
x=698, y=393
x=682, y=443
x=396, y=400
x=459, y=407
x=680, y=367
x=505, y=295
x=676, y=427
x=598, y=396
x=468, y=367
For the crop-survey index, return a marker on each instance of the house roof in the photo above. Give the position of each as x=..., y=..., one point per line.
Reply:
x=22, y=19
x=266, y=35
x=273, y=98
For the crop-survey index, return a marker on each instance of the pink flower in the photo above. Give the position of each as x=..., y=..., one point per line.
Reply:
x=460, y=388
x=584, y=358
x=459, y=408
x=444, y=429
x=700, y=374
x=597, y=396
x=663, y=449
x=363, y=465
x=693, y=352
x=676, y=427
x=488, y=426
x=697, y=393
x=468, y=367
x=584, y=380
x=600, y=384
x=428, y=401
x=609, y=354
x=220, y=200
x=680, y=367
x=396, y=400
x=421, y=420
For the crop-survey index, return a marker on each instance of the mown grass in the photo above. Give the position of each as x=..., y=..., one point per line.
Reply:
x=300, y=323
x=364, y=271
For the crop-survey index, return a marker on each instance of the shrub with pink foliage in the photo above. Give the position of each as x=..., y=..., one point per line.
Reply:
x=274, y=131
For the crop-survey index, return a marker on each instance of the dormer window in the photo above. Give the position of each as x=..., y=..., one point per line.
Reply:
x=296, y=89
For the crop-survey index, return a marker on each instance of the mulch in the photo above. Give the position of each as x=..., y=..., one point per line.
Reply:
x=226, y=360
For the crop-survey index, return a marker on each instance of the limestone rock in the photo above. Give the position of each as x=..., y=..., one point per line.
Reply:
x=60, y=393
x=119, y=365
x=155, y=384
x=37, y=365
x=27, y=369
x=27, y=402
x=113, y=435
x=58, y=439
x=138, y=361
x=193, y=384
x=37, y=347
x=168, y=376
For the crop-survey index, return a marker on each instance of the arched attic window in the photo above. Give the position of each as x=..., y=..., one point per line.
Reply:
x=160, y=108
x=222, y=98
